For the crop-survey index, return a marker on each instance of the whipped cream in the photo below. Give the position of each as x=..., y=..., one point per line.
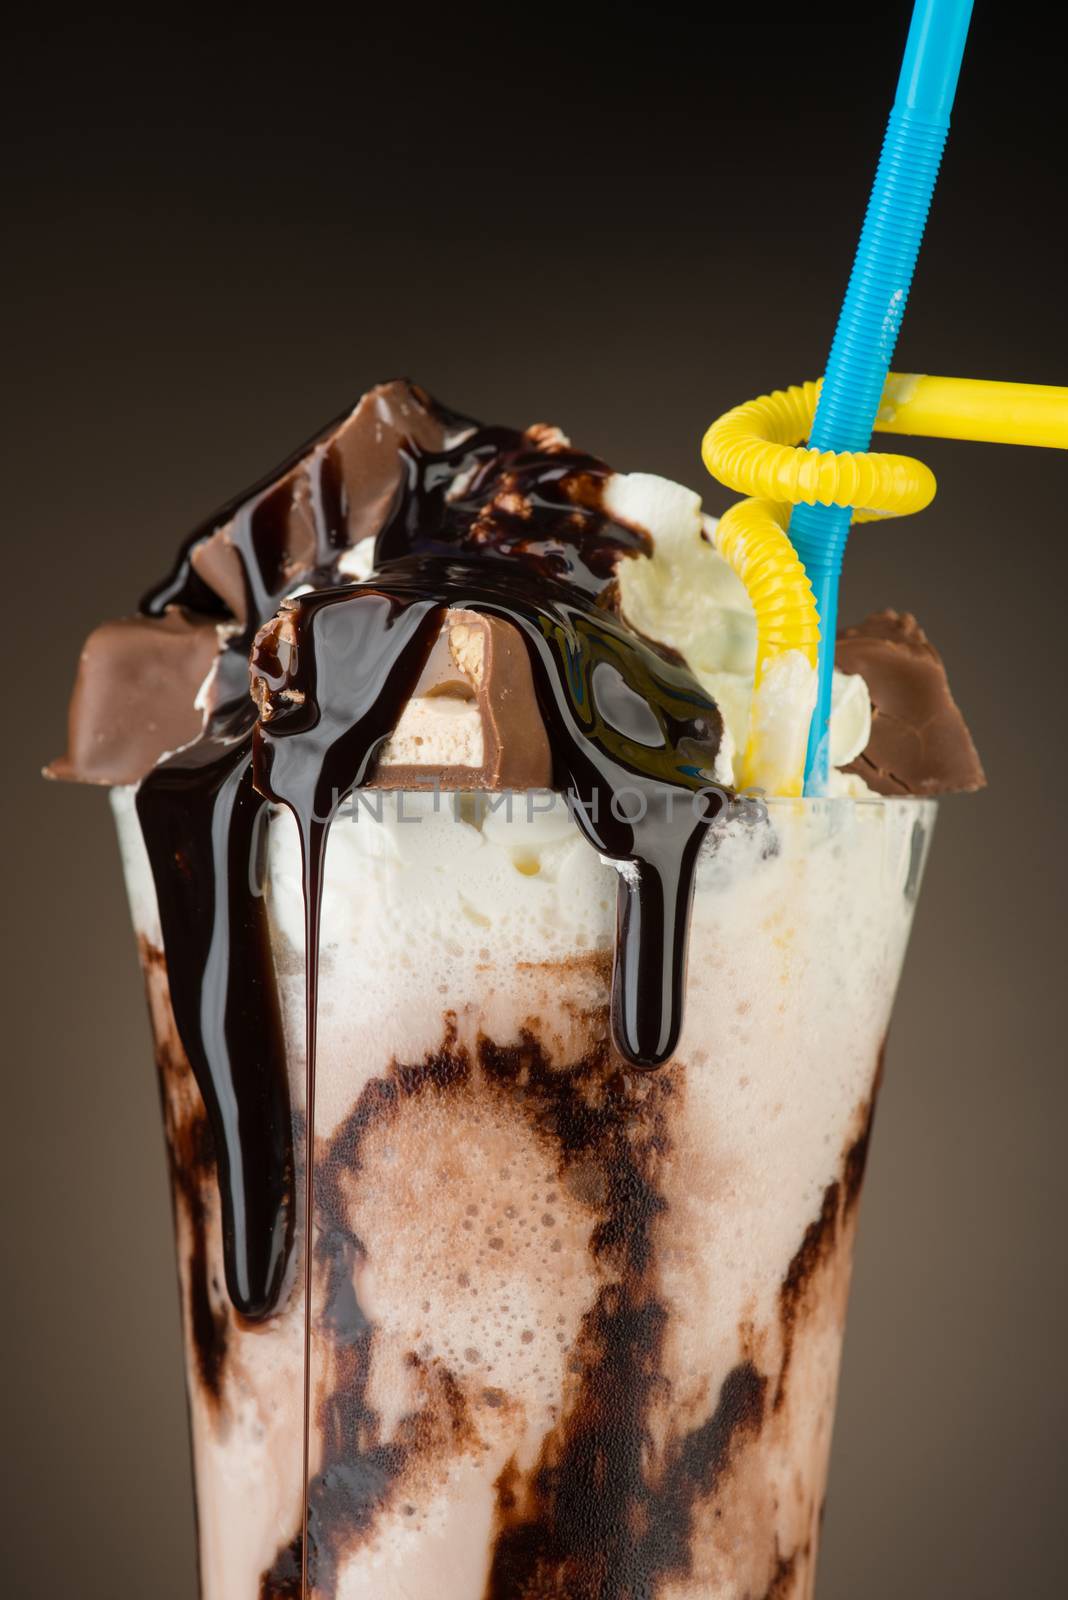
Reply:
x=686, y=596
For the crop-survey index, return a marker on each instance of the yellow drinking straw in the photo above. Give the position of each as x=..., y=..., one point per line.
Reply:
x=755, y=450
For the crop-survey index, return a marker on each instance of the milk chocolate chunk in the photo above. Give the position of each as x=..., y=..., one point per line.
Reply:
x=135, y=696
x=920, y=744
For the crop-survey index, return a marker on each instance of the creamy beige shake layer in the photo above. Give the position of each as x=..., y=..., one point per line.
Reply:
x=576, y=1330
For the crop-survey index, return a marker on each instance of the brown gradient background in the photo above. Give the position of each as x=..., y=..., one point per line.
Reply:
x=222, y=234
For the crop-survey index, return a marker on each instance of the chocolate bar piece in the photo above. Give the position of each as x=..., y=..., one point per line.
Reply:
x=477, y=679
x=137, y=696
x=919, y=744
x=472, y=721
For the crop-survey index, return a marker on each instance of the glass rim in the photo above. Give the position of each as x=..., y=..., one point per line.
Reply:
x=863, y=802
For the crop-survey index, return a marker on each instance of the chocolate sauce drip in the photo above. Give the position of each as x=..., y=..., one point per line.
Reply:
x=201, y=823
x=621, y=719
x=203, y=826
x=634, y=741
x=507, y=523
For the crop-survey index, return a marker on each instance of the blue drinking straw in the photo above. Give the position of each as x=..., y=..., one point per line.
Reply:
x=871, y=313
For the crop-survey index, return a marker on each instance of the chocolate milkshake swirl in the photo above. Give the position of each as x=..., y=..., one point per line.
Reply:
x=507, y=524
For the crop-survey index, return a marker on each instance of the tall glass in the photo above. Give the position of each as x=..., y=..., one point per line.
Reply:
x=575, y=1329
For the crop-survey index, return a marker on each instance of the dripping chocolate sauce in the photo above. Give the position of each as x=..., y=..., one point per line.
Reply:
x=634, y=742
x=496, y=522
x=203, y=827
x=202, y=823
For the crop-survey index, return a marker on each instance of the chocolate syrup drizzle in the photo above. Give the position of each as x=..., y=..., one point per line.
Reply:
x=497, y=521
x=203, y=826
x=633, y=741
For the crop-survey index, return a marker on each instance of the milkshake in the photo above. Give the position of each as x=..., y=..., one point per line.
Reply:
x=469, y=970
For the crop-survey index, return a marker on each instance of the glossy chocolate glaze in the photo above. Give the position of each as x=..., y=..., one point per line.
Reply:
x=505, y=523
x=202, y=825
